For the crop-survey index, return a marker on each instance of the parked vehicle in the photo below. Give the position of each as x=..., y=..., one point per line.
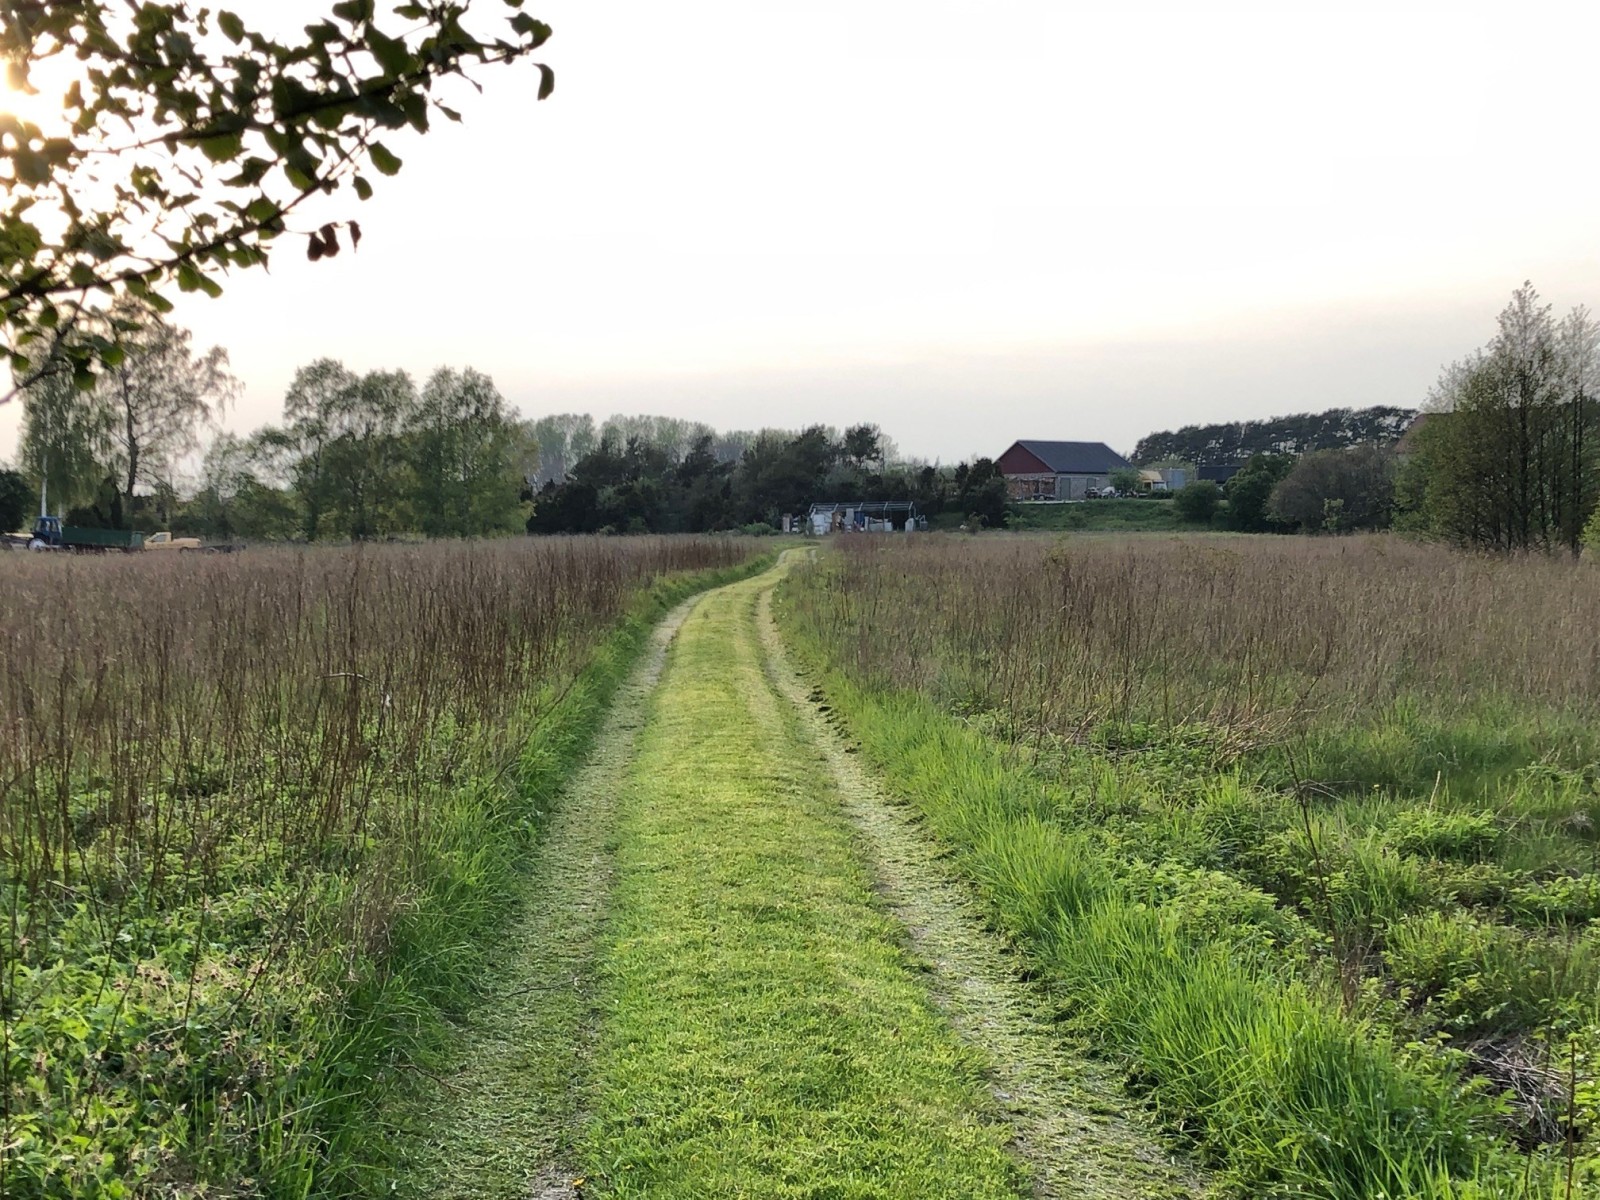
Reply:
x=50, y=534
x=165, y=541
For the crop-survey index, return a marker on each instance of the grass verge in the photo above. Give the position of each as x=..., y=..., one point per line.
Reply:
x=495, y=1117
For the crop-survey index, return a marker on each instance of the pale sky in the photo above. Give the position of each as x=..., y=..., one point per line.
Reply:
x=969, y=223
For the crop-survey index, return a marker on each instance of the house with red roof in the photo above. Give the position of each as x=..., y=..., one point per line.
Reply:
x=1037, y=470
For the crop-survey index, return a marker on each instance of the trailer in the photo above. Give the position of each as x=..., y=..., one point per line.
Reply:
x=50, y=534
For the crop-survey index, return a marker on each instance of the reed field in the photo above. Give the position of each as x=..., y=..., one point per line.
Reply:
x=1304, y=833
x=256, y=811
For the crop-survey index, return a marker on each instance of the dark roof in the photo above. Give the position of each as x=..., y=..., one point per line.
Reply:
x=1218, y=472
x=1077, y=458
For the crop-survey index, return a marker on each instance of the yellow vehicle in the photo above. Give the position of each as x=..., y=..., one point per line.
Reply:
x=165, y=541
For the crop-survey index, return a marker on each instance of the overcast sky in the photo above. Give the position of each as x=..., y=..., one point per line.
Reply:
x=969, y=223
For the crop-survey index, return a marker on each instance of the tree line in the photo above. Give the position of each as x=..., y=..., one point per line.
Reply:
x=1508, y=456
x=1505, y=455
x=1231, y=442
x=635, y=483
x=360, y=456
x=356, y=456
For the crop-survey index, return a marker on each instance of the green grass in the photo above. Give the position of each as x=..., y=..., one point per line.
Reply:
x=439, y=953
x=764, y=1034
x=1100, y=516
x=1132, y=894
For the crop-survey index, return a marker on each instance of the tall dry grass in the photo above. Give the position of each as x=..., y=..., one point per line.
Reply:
x=225, y=780
x=1250, y=634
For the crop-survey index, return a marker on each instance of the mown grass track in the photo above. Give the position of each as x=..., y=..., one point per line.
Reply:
x=764, y=1032
x=740, y=971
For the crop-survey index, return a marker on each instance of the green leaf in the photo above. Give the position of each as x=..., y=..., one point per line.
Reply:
x=363, y=188
x=537, y=32
x=415, y=106
x=391, y=53
x=547, y=82
x=386, y=162
x=224, y=147
x=232, y=27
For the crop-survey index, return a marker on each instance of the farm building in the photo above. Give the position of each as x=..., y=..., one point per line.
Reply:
x=1218, y=473
x=1058, y=470
x=864, y=516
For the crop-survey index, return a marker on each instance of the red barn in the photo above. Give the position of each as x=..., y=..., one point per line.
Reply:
x=1058, y=470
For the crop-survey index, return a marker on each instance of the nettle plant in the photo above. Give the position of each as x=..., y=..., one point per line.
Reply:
x=188, y=141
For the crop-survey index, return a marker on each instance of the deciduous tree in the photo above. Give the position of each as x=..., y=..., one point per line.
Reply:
x=157, y=394
x=1249, y=491
x=190, y=139
x=66, y=442
x=16, y=500
x=1507, y=457
x=467, y=456
x=1337, y=490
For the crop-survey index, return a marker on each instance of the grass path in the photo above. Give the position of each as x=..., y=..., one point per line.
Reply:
x=503, y=1122
x=741, y=972
x=764, y=1033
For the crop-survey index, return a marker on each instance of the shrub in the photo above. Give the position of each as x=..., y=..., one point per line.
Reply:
x=1337, y=490
x=1251, y=488
x=1481, y=978
x=1199, y=501
x=1429, y=833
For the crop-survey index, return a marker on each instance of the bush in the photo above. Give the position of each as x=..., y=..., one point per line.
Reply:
x=1461, y=836
x=1337, y=490
x=1250, y=489
x=1591, y=534
x=1482, y=978
x=1199, y=501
